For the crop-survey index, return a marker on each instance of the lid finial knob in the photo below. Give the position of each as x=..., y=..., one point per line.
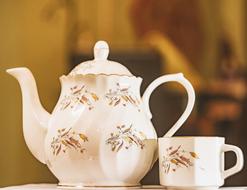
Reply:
x=101, y=50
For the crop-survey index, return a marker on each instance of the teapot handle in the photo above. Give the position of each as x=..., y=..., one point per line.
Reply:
x=191, y=98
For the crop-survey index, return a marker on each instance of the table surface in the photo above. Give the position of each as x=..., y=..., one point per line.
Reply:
x=54, y=187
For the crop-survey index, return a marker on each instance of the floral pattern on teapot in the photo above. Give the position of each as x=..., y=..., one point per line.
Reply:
x=79, y=95
x=126, y=137
x=68, y=139
x=121, y=95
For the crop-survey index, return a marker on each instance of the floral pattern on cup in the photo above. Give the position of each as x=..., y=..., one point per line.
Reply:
x=68, y=139
x=176, y=158
x=79, y=95
x=126, y=137
x=121, y=96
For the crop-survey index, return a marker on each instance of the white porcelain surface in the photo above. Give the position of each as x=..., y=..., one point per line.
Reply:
x=100, y=64
x=100, y=132
x=195, y=162
x=147, y=187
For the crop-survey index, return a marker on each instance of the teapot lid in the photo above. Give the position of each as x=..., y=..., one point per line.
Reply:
x=100, y=64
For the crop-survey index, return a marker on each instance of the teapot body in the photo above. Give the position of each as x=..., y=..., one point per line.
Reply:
x=99, y=134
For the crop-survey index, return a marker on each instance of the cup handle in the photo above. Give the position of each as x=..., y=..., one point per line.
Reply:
x=171, y=78
x=239, y=161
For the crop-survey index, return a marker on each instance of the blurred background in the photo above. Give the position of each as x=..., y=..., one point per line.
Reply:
x=204, y=39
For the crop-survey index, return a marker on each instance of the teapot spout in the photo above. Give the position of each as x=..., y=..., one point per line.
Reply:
x=35, y=117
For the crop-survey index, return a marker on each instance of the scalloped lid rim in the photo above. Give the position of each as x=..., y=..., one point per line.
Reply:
x=79, y=76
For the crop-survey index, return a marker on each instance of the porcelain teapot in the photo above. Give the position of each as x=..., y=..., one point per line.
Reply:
x=100, y=131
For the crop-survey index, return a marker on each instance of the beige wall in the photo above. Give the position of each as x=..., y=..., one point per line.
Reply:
x=26, y=40
x=233, y=21
x=222, y=17
x=108, y=20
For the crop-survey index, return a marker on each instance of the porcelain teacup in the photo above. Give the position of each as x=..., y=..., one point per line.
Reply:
x=195, y=162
